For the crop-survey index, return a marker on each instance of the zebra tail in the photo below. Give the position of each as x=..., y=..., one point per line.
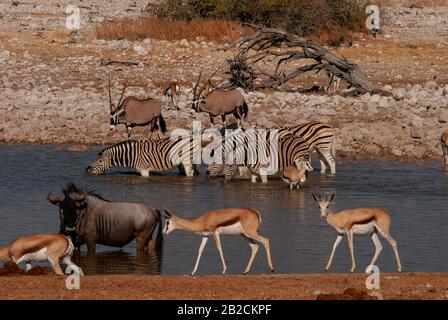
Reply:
x=162, y=124
x=245, y=110
x=159, y=237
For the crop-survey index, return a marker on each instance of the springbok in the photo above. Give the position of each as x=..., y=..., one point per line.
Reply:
x=133, y=112
x=292, y=176
x=444, y=146
x=360, y=221
x=41, y=247
x=218, y=102
x=230, y=221
x=173, y=92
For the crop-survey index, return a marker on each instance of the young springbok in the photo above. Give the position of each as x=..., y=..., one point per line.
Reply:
x=360, y=221
x=230, y=221
x=41, y=247
x=292, y=176
x=444, y=146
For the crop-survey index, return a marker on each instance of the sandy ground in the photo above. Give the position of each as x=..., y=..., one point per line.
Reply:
x=257, y=287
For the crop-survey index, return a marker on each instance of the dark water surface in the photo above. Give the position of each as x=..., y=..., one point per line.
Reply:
x=416, y=196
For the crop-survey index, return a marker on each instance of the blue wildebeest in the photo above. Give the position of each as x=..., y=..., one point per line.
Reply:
x=90, y=219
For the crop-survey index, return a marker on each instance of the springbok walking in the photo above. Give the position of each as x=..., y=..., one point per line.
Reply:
x=230, y=221
x=360, y=221
x=133, y=112
x=218, y=102
x=41, y=247
x=444, y=147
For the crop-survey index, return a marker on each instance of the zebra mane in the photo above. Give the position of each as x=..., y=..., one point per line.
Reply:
x=115, y=145
x=72, y=188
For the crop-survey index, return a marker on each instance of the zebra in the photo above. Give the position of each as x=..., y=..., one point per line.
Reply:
x=320, y=136
x=256, y=155
x=228, y=171
x=148, y=156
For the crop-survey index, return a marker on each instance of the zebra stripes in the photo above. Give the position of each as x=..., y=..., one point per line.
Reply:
x=263, y=154
x=321, y=137
x=148, y=156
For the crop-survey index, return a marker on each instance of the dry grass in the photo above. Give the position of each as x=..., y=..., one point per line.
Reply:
x=150, y=27
x=423, y=3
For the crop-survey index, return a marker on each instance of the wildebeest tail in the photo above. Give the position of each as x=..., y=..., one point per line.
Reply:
x=245, y=110
x=159, y=237
x=162, y=124
x=4, y=253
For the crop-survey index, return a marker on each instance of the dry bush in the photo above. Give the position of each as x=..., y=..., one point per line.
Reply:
x=407, y=3
x=150, y=27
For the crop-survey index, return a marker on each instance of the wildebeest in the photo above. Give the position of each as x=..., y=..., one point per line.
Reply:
x=88, y=218
x=133, y=112
x=219, y=102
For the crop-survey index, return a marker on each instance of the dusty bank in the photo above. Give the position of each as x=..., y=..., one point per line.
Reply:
x=54, y=90
x=257, y=287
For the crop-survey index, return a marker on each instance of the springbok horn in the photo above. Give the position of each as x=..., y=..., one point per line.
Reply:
x=52, y=199
x=168, y=212
x=110, y=95
x=196, y=85
x=121, y=97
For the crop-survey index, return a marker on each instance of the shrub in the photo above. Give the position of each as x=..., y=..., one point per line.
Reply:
x=304, y=17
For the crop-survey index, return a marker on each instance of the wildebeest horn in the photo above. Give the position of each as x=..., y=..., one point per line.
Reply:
x=121, y=97
x=77, y=196
x=54, y=200
x=197, y=84
x=168, y=212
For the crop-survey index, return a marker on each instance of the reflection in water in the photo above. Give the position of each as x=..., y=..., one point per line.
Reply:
x=415, y=195
x=119, y=262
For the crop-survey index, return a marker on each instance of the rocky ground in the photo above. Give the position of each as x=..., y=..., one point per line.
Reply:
x=54, y=87
x=428, y=286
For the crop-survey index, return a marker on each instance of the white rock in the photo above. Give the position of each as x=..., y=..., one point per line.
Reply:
x=140, y=50
x=375, y=98
x=431, y=85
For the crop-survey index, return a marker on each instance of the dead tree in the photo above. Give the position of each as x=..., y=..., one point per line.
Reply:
x=283, y=48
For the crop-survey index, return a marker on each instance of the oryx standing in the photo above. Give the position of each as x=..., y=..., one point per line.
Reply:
x=133, y=112
x=360, y=221
x=219, y=102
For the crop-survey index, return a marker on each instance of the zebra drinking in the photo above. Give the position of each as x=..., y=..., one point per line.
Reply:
x=320, y=136
x=262, y=155
x=148, y=156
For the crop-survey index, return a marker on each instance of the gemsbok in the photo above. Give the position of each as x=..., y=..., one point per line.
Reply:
x=219, y=102
x=229, y=221
x=50, y=247
x=444, y=147
x=135, y=112
x=360, y=221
